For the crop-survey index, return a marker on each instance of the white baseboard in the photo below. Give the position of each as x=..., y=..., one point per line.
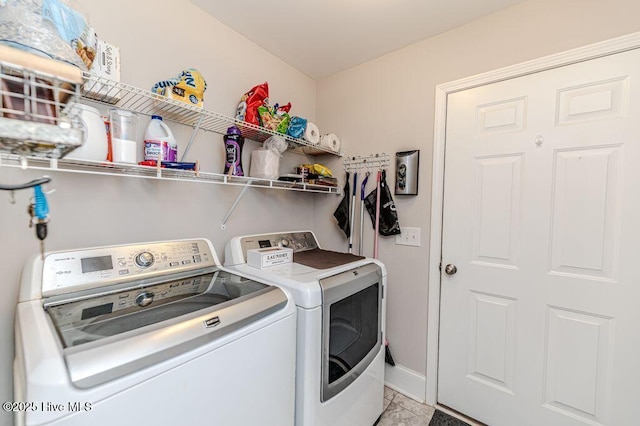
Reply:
x=405, y=381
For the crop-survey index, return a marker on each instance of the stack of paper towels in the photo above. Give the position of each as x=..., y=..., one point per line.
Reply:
x=327, y=141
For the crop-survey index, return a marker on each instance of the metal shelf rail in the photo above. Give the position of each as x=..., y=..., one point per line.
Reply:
x=136, y=171
x=108, y=92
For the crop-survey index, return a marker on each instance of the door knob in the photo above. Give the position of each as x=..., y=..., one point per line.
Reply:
x=450, y=269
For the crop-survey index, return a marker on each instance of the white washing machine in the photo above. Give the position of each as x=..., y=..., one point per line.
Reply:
x=340, y=332
x=156, y=333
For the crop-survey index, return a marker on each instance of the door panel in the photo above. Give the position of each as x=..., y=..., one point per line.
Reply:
x=585, y=212
x=577, y=373
x=502, y=116
x=491, y=341
x=496, y=210
x=542, y=217
x=592, y=101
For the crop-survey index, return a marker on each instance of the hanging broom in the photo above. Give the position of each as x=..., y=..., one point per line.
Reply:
x=387, y=354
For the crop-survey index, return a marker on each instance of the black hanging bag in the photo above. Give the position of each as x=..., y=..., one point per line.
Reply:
x=342, y=212
x=389, y=224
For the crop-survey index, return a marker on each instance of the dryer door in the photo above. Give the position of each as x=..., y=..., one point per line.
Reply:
x=351, y=326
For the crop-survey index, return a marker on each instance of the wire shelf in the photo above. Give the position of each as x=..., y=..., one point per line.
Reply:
x=37, y=127
x=33, y=116
x=108, y=92
x=147, y=172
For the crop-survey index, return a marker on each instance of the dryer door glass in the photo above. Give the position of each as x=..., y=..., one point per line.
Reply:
x=353, y=331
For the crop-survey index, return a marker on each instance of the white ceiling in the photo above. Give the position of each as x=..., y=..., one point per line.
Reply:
x=323, y=37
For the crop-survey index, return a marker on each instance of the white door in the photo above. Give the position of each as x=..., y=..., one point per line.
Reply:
x=541, y=323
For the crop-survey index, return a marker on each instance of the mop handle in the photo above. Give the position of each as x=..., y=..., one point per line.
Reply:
x=362, y=197
x=375, y=242
x=363, y=186
x=352, y=214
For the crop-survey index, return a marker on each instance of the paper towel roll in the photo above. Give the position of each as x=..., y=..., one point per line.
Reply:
x=330, y=142
x=312, y=134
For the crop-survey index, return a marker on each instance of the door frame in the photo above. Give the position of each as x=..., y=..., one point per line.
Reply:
x=581, y=54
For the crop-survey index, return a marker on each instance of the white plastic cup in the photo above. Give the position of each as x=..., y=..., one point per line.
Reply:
x=123, y=135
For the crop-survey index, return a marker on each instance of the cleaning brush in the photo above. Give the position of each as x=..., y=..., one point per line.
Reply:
x=387, y=354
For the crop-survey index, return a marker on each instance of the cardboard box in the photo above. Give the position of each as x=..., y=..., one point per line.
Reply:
x=106, y=65
x=271, y=256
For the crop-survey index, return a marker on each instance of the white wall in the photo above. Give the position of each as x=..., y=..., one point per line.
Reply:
x=387, y=105
x=158, y=40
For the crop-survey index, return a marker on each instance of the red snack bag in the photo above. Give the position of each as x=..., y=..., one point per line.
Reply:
x=284, y=108
x=248, y=107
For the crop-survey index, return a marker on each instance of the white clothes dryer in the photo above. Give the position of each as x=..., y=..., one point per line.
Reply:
x=155, y=333
x=340, y=332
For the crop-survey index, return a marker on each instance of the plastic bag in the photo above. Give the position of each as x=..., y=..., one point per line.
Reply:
x=389, y=224
x=276, y=118
x=318, y=169
x=188, y=87
x=342, y=211
x=297, y=126
x=247, y=109
x=283, y=125
x=277, y=144
x=46, y=28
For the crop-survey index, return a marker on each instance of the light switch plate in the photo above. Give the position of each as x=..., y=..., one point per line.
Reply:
x=409, y=237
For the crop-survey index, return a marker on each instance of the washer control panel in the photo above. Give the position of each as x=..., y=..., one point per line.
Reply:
x=144, y=259
x=97, y=267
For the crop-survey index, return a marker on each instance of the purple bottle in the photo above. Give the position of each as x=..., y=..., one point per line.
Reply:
x=233, y=142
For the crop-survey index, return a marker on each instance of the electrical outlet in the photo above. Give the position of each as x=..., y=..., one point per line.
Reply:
x=409, y=237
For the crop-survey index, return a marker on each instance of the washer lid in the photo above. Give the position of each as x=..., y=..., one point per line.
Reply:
x=111, y=313
x=114, y=334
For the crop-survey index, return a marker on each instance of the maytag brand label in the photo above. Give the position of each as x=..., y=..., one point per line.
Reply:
x=266, y=257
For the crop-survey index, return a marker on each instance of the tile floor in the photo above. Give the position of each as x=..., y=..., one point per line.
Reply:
x=400, y=410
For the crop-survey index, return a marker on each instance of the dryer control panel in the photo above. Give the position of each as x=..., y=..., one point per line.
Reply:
x=96, y=267
x=297, y=241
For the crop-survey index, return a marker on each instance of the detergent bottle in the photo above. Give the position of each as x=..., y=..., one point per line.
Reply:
x=159, y=142
x=233, y=142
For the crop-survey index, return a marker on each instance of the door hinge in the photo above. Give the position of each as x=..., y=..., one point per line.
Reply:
x=440, y=267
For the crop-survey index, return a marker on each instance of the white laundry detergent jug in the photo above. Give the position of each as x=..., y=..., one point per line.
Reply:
x=95, y=145
x=159, y=142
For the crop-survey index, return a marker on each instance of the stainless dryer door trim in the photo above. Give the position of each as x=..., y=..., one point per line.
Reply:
x=335, y=289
